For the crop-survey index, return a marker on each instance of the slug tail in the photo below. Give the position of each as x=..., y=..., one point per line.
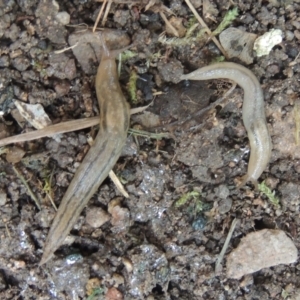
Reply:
x=247, y=178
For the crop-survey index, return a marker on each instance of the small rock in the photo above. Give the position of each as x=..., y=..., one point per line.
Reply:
x=47, y=24
x=3, y=198
x=261, y=249
x=120, y=219
x=118, y=279
x=62, y=88
x=13, y=32
x=264, y=44
x=70, y=275
x=170, y=71
x=34, y=114
x=196, y=3
x=238, y=43
x=150, y=268
x=113, y=294
x=222, y=191
x=121, y=16
x=44, y=217
x=14, y=155
x=21, y=63
x=199, y=223
x=19, y=264
x=61, y=66
x=225, y=205
x=297, y=34
x=96, y=217
x=63, y=18
x=4, y=61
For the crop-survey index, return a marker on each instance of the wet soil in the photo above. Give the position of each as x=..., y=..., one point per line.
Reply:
x=150, y=245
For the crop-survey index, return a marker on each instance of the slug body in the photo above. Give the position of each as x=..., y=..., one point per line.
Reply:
x=101, y=157
x=253, y=112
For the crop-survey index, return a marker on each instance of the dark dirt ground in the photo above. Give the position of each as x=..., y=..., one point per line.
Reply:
x=149, y=248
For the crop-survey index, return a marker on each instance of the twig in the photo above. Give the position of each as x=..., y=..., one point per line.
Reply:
x=32, y=195
x=150, y=135
x=200, y=20
x=99, y=15
x=106, y=12
x=218, y=266
x=51, y=130
x=49, y=194
x=63, y=127
x=163, y=16
x=66, y=49
x=118, y=183
x=7, y=230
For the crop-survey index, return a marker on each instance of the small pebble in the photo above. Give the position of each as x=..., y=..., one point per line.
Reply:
x=289, y=35
x=261, y=249
x=96, y=217
x=199, y=223
x=225, y=205
x=63, y=18
x=3, y=198
x=113, y=294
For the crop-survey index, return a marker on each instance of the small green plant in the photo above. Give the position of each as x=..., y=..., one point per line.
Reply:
x=132, y=86
x=186, y=197
x=127, y=54
x=262, y=187
x=228, y=19
x=284, y=294
x=96, y=292
x=191, y=22
x=218, y=59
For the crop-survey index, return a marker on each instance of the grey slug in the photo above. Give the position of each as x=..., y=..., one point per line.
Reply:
x=101, y=157
x=253, y=112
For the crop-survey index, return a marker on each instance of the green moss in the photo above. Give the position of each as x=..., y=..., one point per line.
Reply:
x=267, y=191
x=132, y=86
x=127, y=54
x=97, y=292
x=228, y=19
x=218, y=59
x=186, y=197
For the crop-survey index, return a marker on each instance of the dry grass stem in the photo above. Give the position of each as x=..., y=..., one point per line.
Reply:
x=118, y=183
x=32, y=195
x=106, y=12
x=218, y=266
x=68, y=126
x=66, y=49
x=203, y=24
x=63, y=127
x=163, y=16
x=99, y=15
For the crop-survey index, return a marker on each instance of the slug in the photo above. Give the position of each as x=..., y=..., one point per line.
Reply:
x=253, y=113
x=101, y=157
